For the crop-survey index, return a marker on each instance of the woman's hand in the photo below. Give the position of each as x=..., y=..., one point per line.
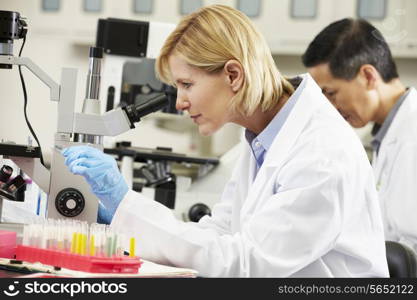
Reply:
x=102, y=174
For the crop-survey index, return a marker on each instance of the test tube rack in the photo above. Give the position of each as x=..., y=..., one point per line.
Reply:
x=86, y=263
x=7, y=243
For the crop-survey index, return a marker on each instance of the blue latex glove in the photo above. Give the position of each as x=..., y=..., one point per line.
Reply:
x=102, y=174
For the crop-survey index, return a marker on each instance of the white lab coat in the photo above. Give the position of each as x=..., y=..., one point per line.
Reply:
x=395, y=169
x=312, y=209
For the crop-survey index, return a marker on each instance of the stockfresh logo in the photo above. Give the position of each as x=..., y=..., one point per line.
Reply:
x=12, y=290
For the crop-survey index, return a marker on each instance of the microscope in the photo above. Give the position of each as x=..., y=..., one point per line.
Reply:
x=69, y=196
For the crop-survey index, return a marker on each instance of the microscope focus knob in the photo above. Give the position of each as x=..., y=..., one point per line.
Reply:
x=69, y=202
x=197, y=211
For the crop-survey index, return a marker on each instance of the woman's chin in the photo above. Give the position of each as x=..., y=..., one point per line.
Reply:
x=205, y=130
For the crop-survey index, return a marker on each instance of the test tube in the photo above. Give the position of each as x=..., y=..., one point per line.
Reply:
x=78, y=238
x=132, y=247
x=109, y=244
x=25, y=239
x=120, y=243
x=84, y=238
x=92, y=246
x=114, y=244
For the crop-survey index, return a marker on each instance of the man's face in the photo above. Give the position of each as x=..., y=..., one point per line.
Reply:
x=352, y=98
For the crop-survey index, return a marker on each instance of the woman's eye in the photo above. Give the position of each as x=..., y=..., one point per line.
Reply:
x=186, y=85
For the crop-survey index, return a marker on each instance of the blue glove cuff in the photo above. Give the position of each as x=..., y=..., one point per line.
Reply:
x=110, y=200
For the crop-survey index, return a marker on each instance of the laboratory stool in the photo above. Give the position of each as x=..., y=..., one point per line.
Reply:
x=402, y=261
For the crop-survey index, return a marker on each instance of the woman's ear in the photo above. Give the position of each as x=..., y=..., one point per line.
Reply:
x=235, y=76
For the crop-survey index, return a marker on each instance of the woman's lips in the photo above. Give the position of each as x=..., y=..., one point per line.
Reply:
x=195, y=117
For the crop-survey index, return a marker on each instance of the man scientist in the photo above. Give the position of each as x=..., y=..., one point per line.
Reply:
x=352, y=63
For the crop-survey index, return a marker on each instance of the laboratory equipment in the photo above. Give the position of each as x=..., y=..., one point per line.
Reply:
x=131, y=48
x=69, y=196
x=12, y=27
x=12, y=189
x=7, y=243
x=76, y=245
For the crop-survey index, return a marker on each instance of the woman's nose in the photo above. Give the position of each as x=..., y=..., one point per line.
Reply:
x=182, y=104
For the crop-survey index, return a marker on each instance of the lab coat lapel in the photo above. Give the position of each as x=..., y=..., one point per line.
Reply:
x=380, y=162
x=301, y=113
x=248, y=169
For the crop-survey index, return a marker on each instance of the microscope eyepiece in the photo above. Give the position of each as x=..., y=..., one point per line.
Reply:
x=136, y=112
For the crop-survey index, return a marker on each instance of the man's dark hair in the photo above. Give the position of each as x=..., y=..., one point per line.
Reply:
x=348, y=44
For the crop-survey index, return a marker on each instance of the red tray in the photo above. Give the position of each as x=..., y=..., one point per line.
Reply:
x=92, y=264
x=7, y=244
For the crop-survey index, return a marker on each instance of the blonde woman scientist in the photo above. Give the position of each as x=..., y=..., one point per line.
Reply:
x=301, y=200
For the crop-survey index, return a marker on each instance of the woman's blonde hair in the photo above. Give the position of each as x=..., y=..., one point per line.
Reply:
x=213, y=35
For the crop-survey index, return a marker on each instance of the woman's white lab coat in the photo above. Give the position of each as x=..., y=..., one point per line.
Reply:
x=312, y=209
x=395, y=169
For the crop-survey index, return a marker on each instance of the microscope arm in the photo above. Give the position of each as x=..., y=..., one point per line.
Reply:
x=119, y=120
x=27, y=62
x=111, y=123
